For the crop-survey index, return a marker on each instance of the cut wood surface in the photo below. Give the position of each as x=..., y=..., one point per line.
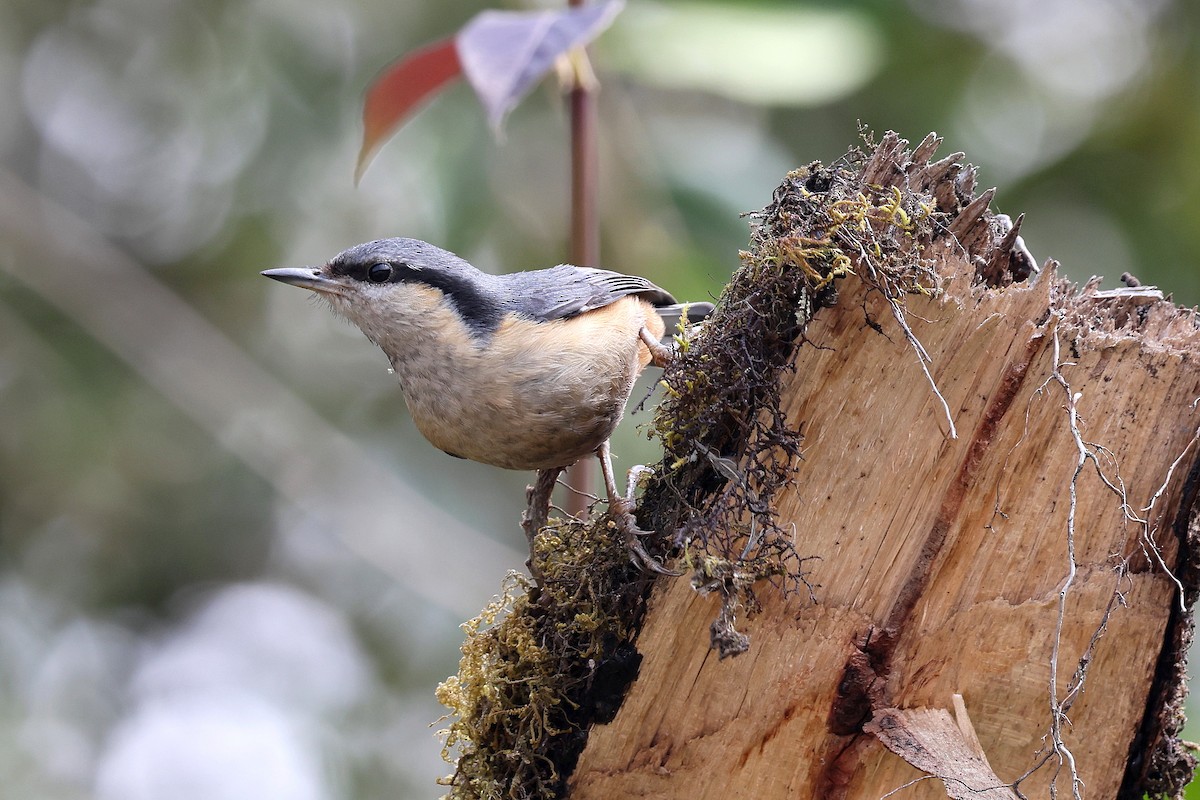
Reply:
x=945, y=564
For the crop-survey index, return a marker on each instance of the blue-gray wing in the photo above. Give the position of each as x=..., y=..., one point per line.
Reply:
x=566, y=291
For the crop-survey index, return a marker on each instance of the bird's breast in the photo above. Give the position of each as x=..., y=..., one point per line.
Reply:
x=536, y=395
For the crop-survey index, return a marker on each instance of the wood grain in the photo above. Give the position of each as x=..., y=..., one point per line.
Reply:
x=941, y=560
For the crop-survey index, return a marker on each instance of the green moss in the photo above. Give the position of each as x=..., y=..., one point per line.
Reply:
x=540, y=665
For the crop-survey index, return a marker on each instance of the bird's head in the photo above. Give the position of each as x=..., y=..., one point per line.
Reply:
x=393, y=284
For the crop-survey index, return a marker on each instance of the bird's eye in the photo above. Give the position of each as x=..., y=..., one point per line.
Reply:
x=379, y=273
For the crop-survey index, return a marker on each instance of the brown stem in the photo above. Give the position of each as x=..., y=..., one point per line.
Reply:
x=585, y=240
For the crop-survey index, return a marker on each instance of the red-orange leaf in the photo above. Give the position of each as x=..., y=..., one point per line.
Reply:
x=501, y=53
x=399, y=89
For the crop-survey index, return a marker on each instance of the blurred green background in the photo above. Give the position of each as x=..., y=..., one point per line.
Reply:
x=229, y=567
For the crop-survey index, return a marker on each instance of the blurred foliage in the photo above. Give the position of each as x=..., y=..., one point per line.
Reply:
x=206, y=140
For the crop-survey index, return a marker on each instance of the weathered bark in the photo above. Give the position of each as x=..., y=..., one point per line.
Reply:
x=1033, y=565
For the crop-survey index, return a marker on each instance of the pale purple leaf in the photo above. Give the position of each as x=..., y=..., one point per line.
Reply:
x=504, y=53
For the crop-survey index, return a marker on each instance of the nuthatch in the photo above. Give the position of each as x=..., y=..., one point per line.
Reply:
x=529, y=370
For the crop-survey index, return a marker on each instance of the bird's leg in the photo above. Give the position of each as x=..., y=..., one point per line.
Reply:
x=620, y=508
x=660, y=354
x=537, y=514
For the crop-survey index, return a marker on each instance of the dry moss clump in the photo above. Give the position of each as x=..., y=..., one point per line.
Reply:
x=540, y=665
x=729, y=448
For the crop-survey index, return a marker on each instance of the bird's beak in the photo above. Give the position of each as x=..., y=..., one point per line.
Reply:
x=304, y=277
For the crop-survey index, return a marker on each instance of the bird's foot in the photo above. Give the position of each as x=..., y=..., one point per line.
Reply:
x=632, y=479
x=621, y=511
x=661, y=355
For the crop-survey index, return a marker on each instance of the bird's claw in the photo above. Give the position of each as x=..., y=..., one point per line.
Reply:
x=624, y=521
x=646, y=562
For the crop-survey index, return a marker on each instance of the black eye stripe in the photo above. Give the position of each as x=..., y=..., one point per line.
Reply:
x=469, y=295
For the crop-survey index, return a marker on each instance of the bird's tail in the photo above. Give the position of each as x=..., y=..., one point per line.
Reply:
x=695, y=313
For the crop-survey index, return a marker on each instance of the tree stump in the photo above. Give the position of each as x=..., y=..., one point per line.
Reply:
x=997, y=481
